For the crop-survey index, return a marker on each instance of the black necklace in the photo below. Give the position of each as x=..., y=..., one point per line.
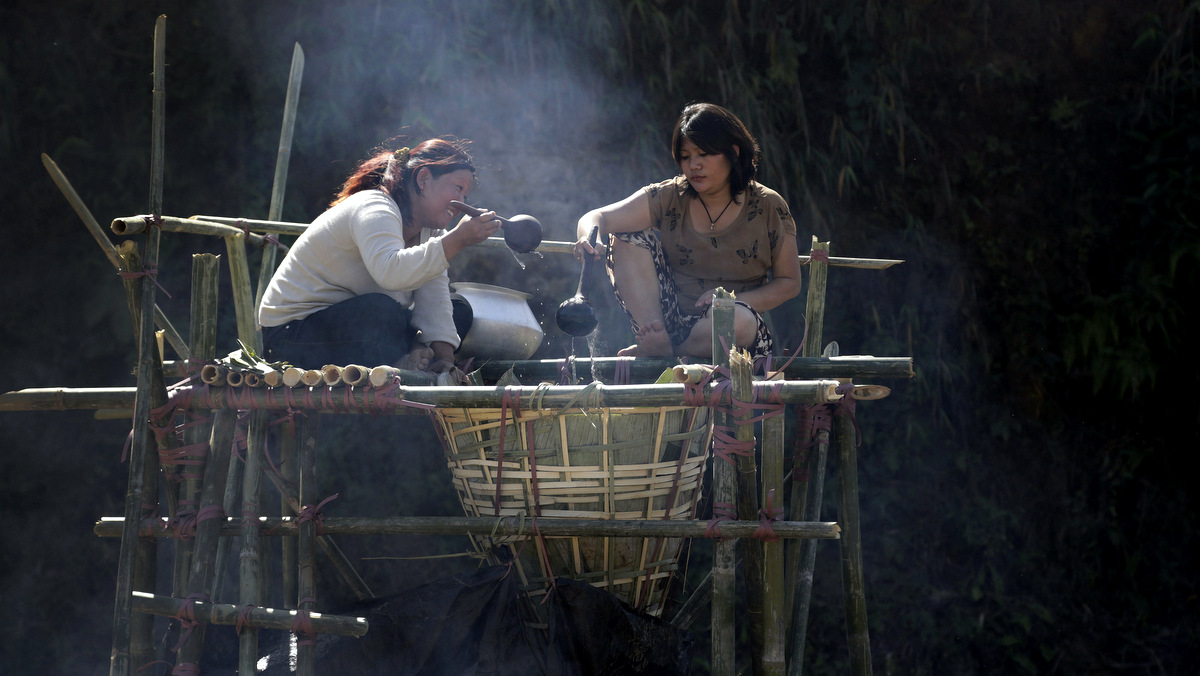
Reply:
x=712, y=222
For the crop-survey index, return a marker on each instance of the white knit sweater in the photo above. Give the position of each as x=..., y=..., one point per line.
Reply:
x=356, y=248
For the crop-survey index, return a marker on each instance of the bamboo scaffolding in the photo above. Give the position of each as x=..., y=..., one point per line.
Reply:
x=724, y=497
x=135, y=225
x=119, y=662
x=368, y=400
x=274, y=526
x=256, y=618
x=741, y=383
x=855, y=598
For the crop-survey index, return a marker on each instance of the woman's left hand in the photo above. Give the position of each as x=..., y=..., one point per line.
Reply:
x=706, y=298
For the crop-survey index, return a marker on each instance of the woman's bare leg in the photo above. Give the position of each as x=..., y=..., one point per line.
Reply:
x=637, y=281
x=699, y=341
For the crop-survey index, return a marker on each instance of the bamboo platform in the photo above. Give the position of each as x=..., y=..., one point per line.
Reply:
x=210, y=496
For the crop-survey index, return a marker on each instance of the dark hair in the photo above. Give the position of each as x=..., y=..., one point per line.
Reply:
x=392, y=172
x=715, y=130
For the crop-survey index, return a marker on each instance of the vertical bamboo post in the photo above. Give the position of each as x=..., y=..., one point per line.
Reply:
x=724, y=492
x=742, y=384
x=808, y=478
x=851, y=547
x=282, y=158
x=774, y=601
x=249, y=593
x=243, y=297
x=119, y=661
x=145, y=568
x=208, y=527
x=307, y=578
x=289, y=470
x=202, y=340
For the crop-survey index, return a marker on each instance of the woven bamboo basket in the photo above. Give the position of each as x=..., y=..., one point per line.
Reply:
x=587, y=463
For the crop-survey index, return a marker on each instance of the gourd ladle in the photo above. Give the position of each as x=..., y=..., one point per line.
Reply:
x=522, y=233
x=575, y=316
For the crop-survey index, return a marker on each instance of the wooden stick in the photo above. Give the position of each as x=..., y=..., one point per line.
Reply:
x=274, y=526
x=110, y=251
x=259, y=618
x=724, y=492
x=119, y=662
x=291, y=102
x=857, y=637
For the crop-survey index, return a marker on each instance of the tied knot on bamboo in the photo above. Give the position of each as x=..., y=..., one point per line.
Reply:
x=302, y=624
x=722, y=511
x=313, y=513
x=766, y=516
x=243, y=618
x=187, y=618
x=148, y=271
x=846, y=406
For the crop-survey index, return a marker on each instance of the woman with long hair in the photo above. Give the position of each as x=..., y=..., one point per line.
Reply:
x=369, y=274
x=671, y=244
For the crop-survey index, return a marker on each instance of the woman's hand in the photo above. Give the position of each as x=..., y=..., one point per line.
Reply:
x=706, y=298
x=470, y=231
x=585, y=248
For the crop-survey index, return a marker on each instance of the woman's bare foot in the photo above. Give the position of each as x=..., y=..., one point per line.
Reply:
x=417, y=359
x=652, y=341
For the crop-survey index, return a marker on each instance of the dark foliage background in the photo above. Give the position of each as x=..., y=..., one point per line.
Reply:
x=1026, y=501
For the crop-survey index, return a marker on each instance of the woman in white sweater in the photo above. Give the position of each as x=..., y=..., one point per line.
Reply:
x=370, y=272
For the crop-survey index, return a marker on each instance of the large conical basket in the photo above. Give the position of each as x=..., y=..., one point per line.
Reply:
x=586, y=463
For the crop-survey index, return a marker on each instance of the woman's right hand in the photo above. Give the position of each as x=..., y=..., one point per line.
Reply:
x=470, y=231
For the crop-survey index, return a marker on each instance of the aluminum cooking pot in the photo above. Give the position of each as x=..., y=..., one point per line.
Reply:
x=494, y=322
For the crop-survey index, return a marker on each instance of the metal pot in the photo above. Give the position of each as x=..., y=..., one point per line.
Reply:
x=494, y=322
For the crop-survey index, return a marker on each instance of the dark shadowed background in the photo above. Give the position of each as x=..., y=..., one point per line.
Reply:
x=1026, y=504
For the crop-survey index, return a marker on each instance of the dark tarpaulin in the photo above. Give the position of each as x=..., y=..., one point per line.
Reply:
x=474, y=624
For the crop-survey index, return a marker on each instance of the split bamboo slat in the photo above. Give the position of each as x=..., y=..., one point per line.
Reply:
x=305, y=553
x=120, y=660
x=250, y=560
x=253, y=619
x=857, y=637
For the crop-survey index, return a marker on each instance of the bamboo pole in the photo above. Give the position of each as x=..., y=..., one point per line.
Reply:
x=119, y=662
x=367, y=400
x=204, y=549
x=307, y=572
x=857, y=637
x=202, y=339
x=648, y=369
x=278, y=186
x=724, y=492
x=742, y=385
x=146, y=557
x=775, y=597
x=274, y=526
x=243, y=298
x=257, y=618
x=807, y=488
x=110, y=251
x=249, y=593
x=133, y=225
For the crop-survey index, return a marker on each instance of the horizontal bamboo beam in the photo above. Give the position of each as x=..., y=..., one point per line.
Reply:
x=505, y=525
x=132, y=225
x=289, y=228
x=261, y=618
x=395, y=400
x=648, y=369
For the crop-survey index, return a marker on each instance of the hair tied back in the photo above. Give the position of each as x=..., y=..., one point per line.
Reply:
x=401, y=155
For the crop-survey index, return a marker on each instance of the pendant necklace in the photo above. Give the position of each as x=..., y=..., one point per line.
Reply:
x=712, y=222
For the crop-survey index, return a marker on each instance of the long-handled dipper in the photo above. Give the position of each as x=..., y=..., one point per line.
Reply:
x=522, y=233
x=576, y=316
